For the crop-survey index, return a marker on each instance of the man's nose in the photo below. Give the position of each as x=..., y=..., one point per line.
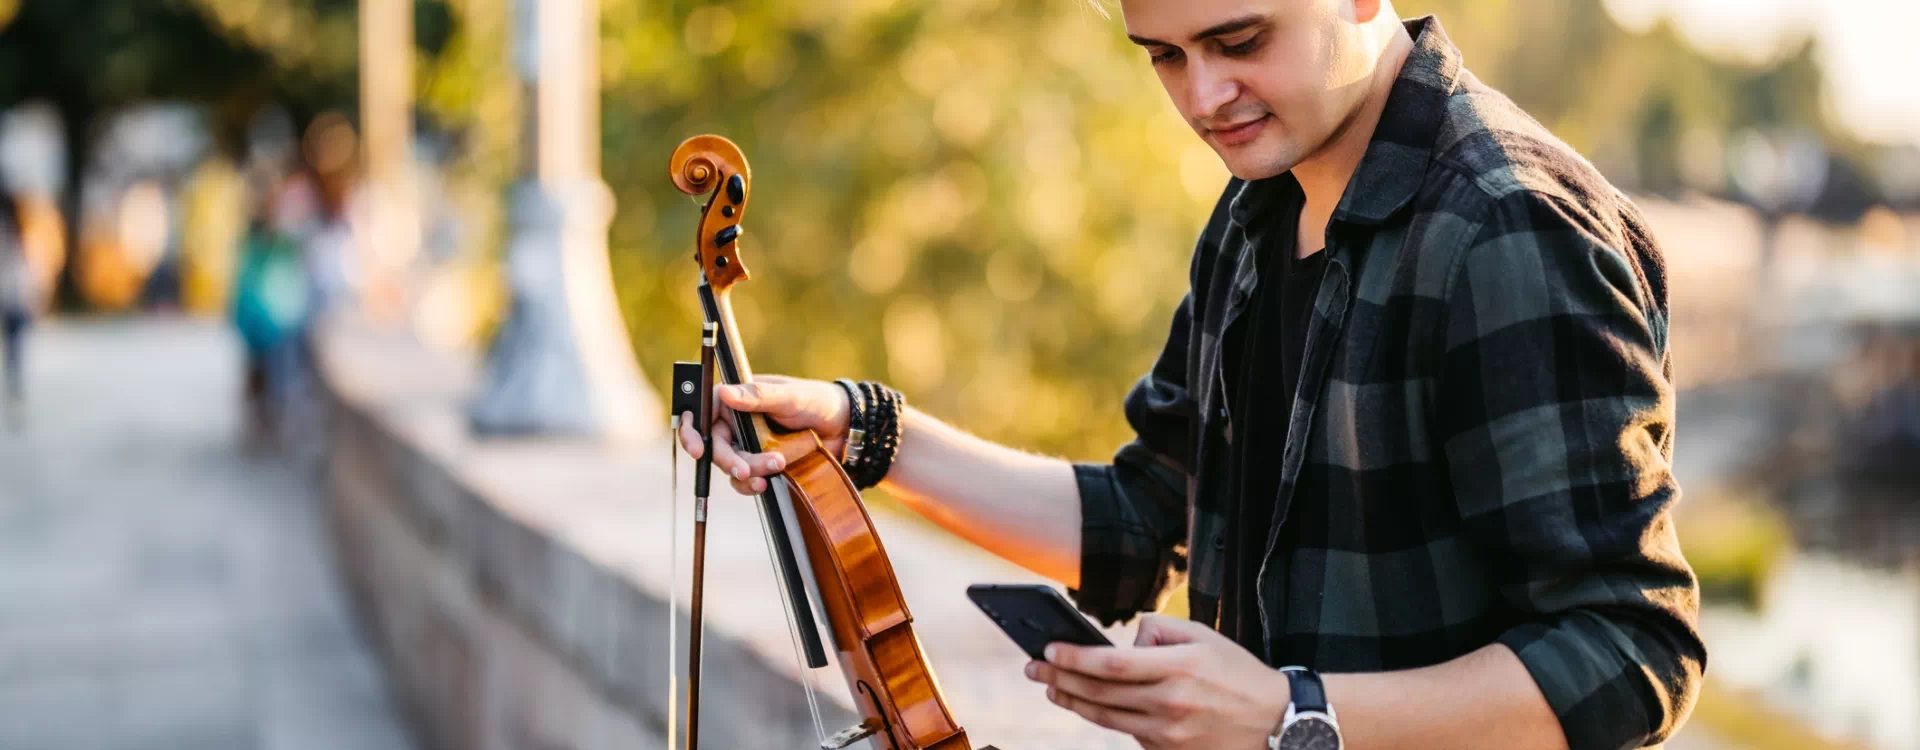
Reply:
x=1209, y=90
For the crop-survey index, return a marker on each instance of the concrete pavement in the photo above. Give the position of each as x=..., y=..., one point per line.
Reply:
x=158, y=588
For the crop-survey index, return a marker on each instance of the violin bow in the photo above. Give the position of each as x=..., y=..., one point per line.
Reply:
x=705, y=159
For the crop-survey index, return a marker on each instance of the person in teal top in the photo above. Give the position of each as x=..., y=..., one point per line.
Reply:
x=269, y=309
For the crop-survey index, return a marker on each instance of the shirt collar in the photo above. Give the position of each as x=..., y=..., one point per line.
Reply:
x=1402, y=143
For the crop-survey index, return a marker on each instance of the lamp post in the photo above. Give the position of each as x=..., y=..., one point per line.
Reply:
x=561, y=364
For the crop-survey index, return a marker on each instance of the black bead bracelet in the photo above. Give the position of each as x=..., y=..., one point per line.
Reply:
x=873, y=435
x=856, y=424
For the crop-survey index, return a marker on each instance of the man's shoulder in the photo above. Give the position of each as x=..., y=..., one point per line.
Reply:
x=1497, y=152
x=1508, y=176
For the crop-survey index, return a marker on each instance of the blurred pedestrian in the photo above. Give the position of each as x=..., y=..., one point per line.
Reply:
x=17, y=301
x=270, y=296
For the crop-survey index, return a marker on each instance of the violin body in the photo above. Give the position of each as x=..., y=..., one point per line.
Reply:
x=892, y=685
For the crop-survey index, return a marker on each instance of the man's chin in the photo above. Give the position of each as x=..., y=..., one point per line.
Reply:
x=1257, y=160
x=1251, y=167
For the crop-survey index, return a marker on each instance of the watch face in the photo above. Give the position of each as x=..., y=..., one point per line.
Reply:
x=1310, y=733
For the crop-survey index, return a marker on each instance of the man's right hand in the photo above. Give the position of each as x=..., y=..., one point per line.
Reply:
x=793, y=403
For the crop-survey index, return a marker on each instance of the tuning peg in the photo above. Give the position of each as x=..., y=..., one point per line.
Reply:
x=726, y=236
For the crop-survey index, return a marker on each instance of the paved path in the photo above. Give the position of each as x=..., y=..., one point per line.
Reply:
x=158, y=589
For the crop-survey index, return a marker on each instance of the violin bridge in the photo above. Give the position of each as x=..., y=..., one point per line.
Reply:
x=851, y=735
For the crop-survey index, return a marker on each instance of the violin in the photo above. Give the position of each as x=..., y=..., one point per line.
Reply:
x=824, y=543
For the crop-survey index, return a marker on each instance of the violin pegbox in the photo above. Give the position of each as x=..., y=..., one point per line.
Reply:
x=712, y=164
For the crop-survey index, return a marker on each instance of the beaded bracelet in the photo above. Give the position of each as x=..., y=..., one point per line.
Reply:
x=862, y=473
x=882, y=459
x=882, y=435
x=856, y=424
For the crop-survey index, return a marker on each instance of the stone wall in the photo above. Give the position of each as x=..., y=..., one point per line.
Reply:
x=518, y=586
x=501, y=626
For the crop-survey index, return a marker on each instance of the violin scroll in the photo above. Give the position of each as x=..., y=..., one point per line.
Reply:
x=712, y=164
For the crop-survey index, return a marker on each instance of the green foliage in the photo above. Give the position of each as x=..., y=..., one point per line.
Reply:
x=992, y=204
x=988, y=204
x=1641, y=106
x=1734, y=541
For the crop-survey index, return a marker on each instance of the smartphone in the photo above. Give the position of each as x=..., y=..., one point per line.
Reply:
x=1035, y=615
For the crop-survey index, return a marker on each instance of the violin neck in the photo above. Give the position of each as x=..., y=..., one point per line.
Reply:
x=746, y=434
x=734, y=369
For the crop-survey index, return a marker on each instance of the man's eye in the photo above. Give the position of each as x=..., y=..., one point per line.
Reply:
x=1168, y=55
x=1252, y=43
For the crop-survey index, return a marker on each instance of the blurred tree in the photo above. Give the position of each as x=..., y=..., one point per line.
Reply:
x=91, y=57
x=88, y=57
x=988, y=202
x=992, y=204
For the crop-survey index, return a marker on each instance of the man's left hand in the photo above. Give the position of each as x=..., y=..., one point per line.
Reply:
x=1183, y=685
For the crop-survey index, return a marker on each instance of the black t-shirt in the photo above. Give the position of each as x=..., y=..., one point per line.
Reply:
x=1262, y=368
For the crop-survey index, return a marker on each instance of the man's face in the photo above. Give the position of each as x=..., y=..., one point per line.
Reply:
x=1264, y=82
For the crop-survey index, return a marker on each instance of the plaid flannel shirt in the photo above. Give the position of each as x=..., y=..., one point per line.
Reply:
x=1482, y=432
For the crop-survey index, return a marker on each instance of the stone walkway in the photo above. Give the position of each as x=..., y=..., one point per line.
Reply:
x=159, y=589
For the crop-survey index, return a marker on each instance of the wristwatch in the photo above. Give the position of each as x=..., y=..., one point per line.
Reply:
x=1309, y=723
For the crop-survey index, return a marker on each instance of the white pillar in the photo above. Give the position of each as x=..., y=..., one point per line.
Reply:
x=390, y=237
x=562, y=364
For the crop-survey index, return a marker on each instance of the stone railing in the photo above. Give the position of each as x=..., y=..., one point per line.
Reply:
x=518, y=587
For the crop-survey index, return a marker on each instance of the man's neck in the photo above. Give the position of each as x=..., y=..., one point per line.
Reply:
x=1324, y=176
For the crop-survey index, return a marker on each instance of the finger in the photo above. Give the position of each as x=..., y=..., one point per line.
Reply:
x=1136, y=724
x=728, y=459
x=1127, y=696
x=721, y=414
x=1160, y=630
x=747, y=466
x=690, y=437
x=1122, y=665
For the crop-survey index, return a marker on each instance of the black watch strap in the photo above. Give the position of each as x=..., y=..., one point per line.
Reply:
x=1308, y=693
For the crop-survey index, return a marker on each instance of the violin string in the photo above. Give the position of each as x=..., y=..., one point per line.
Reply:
x=793, y=628
x=673, y=586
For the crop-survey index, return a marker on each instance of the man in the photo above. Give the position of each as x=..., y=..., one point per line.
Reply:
x=1410, y=430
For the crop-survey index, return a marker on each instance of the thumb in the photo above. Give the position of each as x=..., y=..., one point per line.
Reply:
x=768, y=398
x=1161, y=630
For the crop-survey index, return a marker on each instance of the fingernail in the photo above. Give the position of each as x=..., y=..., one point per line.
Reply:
x=776, y=463
x=1053, y=695
x=1052, y=652
x=740, y=472
x=1033, y=671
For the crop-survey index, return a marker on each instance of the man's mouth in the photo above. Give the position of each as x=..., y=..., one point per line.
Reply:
x=1235, y=135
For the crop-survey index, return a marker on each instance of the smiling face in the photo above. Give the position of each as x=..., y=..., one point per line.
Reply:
x=1266, y=83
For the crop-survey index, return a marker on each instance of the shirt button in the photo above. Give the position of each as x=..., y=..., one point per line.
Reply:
x=1239, y=297
x=1219, y=541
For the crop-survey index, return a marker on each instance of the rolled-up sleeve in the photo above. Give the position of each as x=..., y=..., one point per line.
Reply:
x=1557, y=410
x=1133, y=511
